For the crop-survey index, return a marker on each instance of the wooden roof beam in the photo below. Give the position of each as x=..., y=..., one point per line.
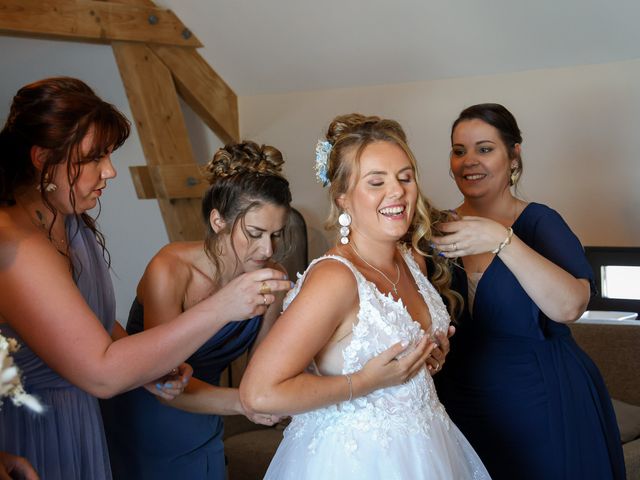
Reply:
x=199, y=86
x=94, y=21
x=171, y=181
x=203, y=90
x=162, y=131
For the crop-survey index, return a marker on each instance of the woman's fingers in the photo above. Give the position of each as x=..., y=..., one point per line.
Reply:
x=185, y=371
x=269, y=286
x=443, y=339
x=13, y=466
x=416, y=358
x=265, y=419
x=391, y=353
x=267, y=274
x=269, y=280
x=263, y=284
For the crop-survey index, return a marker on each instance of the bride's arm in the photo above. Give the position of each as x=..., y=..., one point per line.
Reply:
x=275, y=380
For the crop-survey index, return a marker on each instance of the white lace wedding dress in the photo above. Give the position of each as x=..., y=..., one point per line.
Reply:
x=400, y=432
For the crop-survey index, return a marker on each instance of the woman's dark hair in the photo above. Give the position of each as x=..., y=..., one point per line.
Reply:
x=502, y=120
x=243, y=176
x=56, y=114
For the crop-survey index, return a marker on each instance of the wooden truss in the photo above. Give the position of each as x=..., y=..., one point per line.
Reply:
x=157, y=58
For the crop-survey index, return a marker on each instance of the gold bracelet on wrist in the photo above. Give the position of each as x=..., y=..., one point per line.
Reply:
x=505, y=242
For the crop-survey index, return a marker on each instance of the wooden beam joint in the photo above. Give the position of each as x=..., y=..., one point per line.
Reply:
x=169, y=181
x=94, y=21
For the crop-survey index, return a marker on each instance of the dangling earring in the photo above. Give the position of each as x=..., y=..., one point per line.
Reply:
x=514, y=177
x=344, y=220
x=48, y=186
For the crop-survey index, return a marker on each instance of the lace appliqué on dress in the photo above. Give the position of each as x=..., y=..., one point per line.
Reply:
x=407, y=409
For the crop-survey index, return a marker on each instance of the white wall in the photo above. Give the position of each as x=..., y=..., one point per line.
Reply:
x=580, y=127
x=133, y=228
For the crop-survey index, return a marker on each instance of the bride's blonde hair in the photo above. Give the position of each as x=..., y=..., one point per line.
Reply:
x=349, y=135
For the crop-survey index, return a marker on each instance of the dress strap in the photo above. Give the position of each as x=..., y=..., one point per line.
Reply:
x=360, y=280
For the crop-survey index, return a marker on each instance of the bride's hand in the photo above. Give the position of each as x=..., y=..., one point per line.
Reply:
x=390, y=368
x=436, y=360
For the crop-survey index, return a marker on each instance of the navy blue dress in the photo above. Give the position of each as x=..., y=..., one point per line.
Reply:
x=148, y=440
x=528, y=399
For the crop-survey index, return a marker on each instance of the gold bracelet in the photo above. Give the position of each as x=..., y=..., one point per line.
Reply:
x=505, y=242
x=348, y=377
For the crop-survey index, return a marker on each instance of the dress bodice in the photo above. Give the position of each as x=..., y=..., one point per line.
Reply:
x=515, y=381
x=382, y=322
x=67, y=441
x=502, y=308
x=215, y=355
x=92, y=279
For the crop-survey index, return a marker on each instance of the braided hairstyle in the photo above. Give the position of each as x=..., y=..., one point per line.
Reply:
x=242, y=176
x=56, y=114
x=349, y=135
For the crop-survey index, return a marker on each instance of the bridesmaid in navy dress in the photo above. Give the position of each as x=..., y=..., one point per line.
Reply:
x=246, y=209
x=530, y=401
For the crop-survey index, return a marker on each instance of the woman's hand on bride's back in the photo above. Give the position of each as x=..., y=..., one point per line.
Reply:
x=394, y=366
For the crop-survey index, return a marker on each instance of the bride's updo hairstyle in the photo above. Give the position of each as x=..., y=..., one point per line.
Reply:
x=242, y=176
x=349, y=135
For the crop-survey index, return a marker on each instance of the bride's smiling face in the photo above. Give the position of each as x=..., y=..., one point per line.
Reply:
x=382, y=197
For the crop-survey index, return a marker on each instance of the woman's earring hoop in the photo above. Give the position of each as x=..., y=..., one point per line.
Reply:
x=344, y=220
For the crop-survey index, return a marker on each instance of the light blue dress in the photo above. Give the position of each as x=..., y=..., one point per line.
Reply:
x=67, y=442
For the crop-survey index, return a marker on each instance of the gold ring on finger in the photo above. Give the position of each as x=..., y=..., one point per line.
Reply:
x=264, y=299
x=264, y=288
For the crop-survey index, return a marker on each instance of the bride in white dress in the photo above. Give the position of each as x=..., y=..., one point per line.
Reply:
x=365, y=317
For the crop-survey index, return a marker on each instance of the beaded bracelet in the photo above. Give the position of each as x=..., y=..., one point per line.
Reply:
x=348, y=377
x=505, y=242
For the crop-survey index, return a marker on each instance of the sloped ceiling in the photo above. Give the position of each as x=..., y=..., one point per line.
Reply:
x=297, y=45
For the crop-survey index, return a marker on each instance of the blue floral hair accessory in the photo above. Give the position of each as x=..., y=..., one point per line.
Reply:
x=323, y=149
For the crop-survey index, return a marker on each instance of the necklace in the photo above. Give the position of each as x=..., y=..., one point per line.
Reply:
x=395, y=284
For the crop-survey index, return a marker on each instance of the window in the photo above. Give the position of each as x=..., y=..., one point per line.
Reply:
x=620, y=281
x=617, y=277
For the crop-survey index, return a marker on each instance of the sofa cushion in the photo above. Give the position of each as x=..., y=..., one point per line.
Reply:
x=632, y=459
x=628, y=420
x=250, y=453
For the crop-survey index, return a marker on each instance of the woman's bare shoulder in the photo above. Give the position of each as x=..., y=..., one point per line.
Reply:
x=169, y=269
x=21, y=242
x=331, y=276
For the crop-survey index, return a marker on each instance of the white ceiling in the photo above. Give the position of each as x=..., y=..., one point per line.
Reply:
x=273, y=46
